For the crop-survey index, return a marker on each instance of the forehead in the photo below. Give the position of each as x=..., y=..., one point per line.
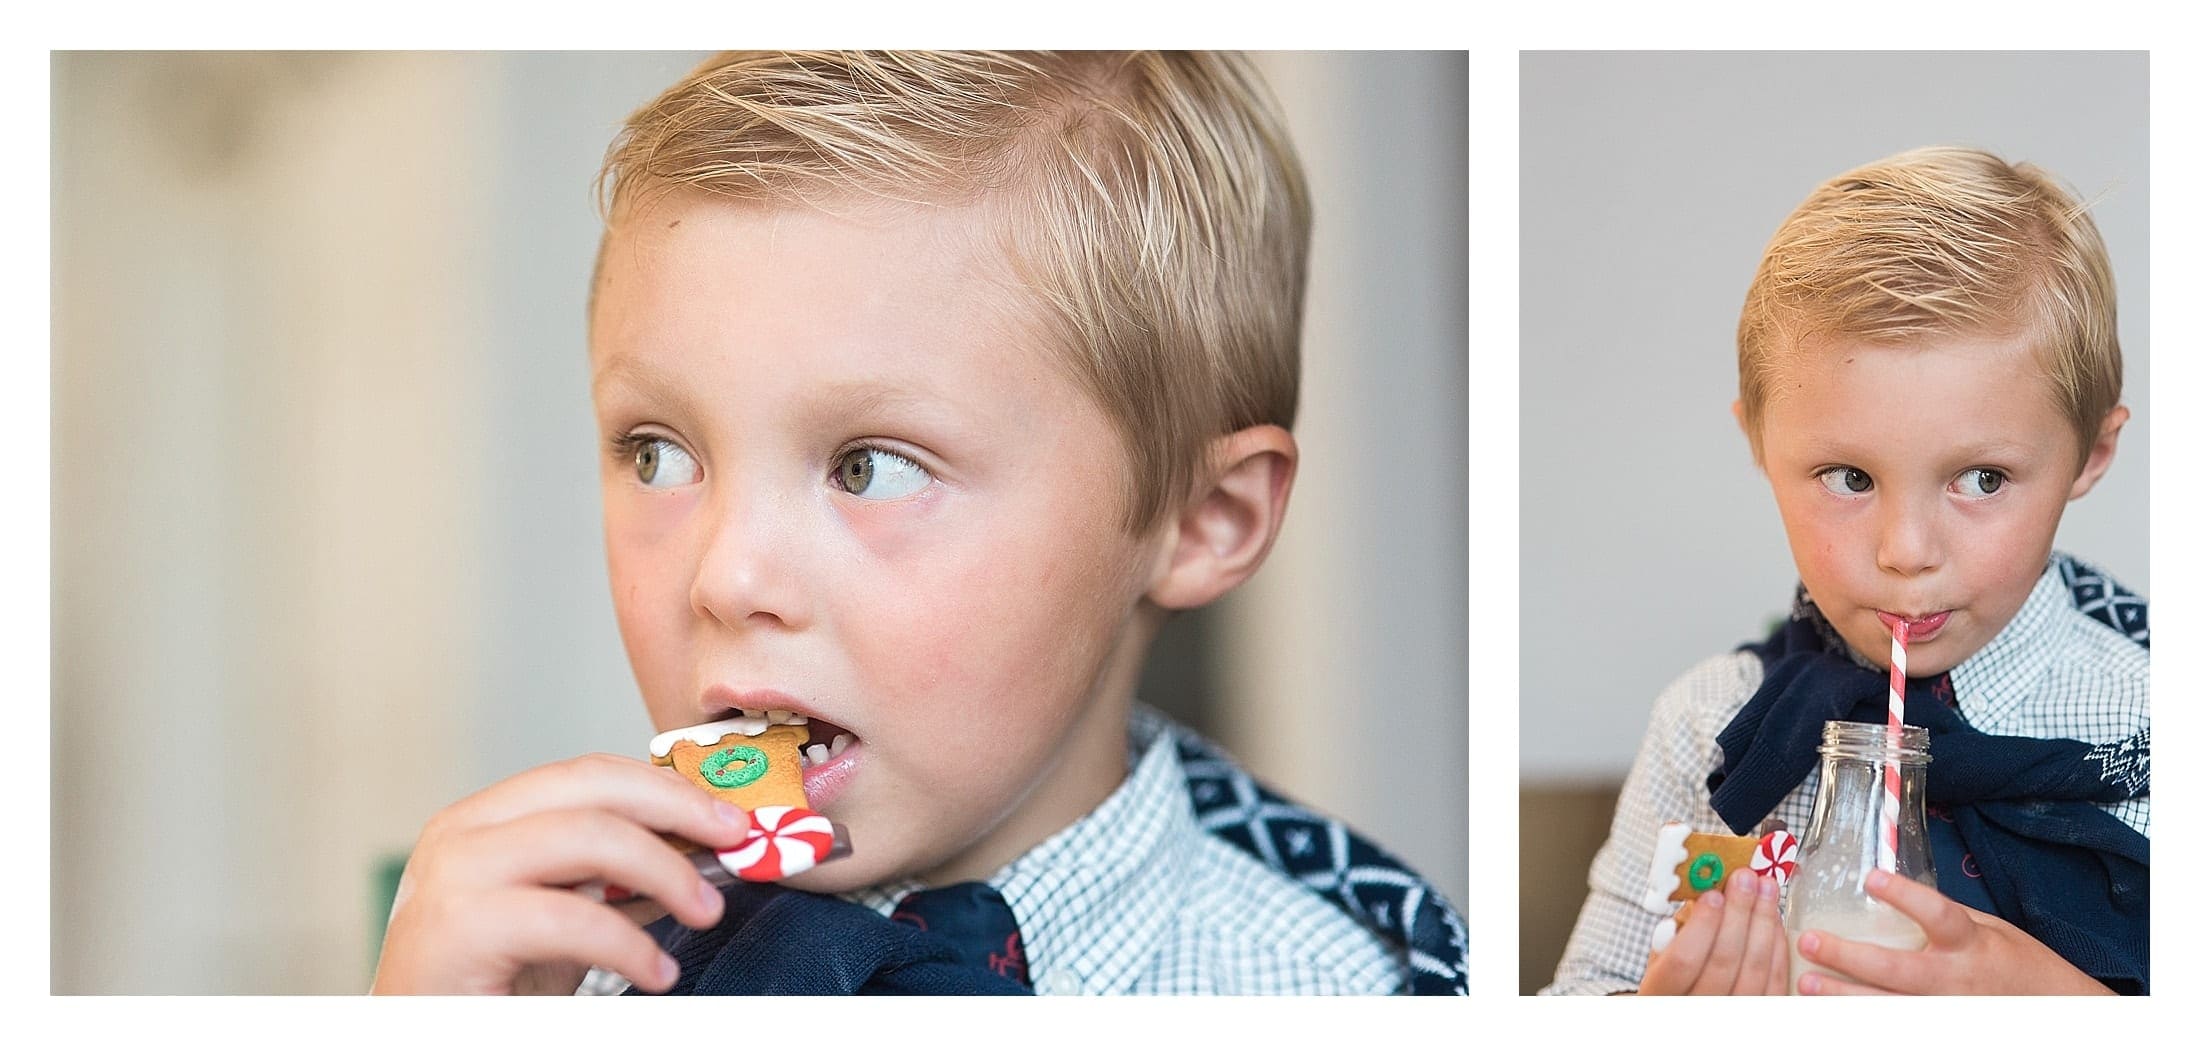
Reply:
x=689, y=271
x=1921, y=397
x=905, y=318
x=661, y=255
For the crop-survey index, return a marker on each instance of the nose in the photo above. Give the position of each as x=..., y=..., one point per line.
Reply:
x=746, y=577
x=1909, y=537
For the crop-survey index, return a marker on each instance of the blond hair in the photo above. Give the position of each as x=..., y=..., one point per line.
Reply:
x=1153, y=205
x=1935, y=242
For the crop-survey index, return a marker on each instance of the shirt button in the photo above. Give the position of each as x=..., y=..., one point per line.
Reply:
x=1063, y=982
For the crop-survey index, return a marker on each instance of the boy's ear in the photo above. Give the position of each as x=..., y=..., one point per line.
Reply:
x=2102, y=452
x=1225, y=529
x=1743, y=424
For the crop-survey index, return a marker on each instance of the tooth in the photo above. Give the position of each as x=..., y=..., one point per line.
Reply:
x=778, y=715
x=840, y=744
x=797, y=719
x=805, y=756
x=818, y=754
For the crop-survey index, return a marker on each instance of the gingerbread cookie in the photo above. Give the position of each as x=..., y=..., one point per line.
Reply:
x=1686, y=864
x=752, y=761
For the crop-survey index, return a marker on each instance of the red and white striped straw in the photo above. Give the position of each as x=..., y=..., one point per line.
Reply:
x=1898, y=668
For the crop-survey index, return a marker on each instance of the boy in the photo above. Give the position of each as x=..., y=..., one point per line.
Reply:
x=929, y=386
x=1929, y=374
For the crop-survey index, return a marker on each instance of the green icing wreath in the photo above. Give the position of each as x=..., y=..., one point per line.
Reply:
x=736, y=766
x=1705, y=872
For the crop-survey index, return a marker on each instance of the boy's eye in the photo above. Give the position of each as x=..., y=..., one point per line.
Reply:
x=879, y=475
x=658, y=460
x=1978, y=483
x=1845, y=481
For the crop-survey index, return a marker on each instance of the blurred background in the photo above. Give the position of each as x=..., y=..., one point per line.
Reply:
x=1650, y=184
x=326, y=535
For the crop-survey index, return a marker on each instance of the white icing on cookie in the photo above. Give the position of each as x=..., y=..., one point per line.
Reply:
x=1665, y=858
x=709, y=734
x=1663, y=934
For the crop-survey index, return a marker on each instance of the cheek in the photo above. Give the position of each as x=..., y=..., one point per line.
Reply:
x=1818, y=540
x=649, y=597
x=2005, y=549
x=1005, y=624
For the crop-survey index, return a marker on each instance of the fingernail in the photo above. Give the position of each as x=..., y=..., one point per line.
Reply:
x=1743, y=882
x=731, y=814
x=1714, y=899
x=1877, y=880
x=1808, y=944
x=711, y=899
x=1768, y=886
x=668, y=971
x=1807, y=984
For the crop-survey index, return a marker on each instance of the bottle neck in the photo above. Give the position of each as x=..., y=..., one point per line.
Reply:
x=1855, y=764
x=1873, y=742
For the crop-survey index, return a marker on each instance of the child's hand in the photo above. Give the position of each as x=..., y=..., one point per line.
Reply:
x=483, y=906
x=1967, y=952
x=1731, y=944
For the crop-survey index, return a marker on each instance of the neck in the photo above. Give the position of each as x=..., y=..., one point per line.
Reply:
x=1088, y=766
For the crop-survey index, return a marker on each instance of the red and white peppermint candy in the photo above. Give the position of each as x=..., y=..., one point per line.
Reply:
x=783, y=841
x=1776, y=853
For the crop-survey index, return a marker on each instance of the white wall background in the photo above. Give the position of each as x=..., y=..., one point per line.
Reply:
x=1649, y=186
x=1352, y=639
x=327, y=549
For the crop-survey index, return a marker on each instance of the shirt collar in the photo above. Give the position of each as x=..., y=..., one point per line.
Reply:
x=1992, y=684
x=1115, y=875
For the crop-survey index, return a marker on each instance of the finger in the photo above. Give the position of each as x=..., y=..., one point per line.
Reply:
x=1783, y=959
x=546, y=925
x=1867, y=964
x=562, y=847
x=656, y=796
x=1815, y=983
x=1724, y=966
x=549, y=978
x=1674, y=970
x=1946, y=923
x=1763, y=972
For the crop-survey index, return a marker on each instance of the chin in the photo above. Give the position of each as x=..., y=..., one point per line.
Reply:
x=835, y=877
x=856, y=871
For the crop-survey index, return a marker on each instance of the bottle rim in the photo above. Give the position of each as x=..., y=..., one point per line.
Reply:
x=1872, y=741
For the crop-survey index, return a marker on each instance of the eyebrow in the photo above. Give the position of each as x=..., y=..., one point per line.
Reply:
x=844, y=399
x=1998, y=448
x=868, y=397
x=628, y=369
x=1989, y=450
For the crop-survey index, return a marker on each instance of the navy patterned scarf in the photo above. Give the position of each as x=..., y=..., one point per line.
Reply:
x=1330, y=859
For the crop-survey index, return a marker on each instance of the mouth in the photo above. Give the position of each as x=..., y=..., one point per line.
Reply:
x=828, y=741
x=1922, y=627
x=827, y=754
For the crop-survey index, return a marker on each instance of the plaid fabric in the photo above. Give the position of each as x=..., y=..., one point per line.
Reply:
x=1192, y=879
x=2072, y=663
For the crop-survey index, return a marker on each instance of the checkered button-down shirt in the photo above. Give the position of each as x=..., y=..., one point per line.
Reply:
x=1190, y=879
x=1138, y=898
x=2073, y=663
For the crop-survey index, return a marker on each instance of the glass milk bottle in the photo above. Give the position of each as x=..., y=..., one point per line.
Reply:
x=1841, y=846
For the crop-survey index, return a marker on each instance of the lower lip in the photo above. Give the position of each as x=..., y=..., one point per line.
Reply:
x=824, y=782
x=1921, y=629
